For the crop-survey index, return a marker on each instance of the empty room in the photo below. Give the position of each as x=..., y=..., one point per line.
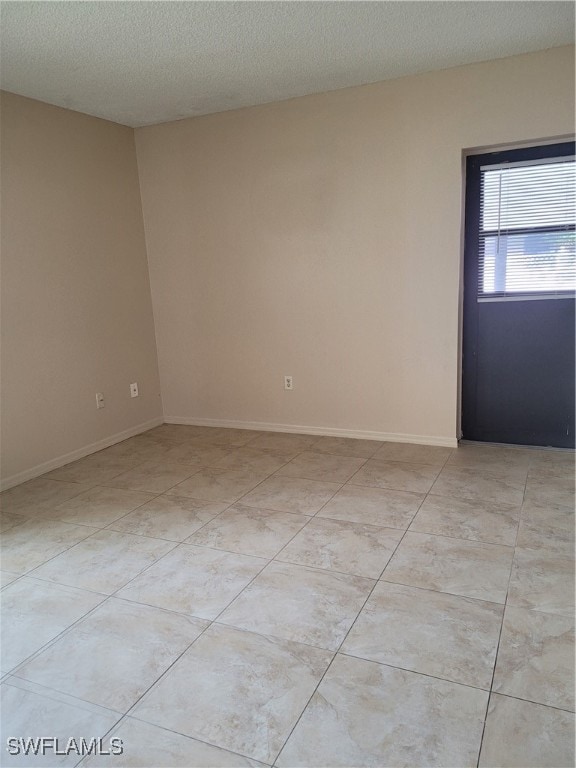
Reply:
x=287, y=384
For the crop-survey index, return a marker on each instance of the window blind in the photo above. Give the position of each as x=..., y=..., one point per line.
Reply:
x=527, y=233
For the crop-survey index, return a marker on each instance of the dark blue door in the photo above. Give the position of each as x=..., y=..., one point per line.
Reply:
x=519, y=280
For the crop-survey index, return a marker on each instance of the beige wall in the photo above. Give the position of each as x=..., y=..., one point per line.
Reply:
x=320, y=237
x=76, y=309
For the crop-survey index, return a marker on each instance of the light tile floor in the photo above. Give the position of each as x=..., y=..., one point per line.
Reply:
x=219, y=597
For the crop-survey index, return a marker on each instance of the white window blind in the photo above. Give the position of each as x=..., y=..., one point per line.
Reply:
x=527, y=242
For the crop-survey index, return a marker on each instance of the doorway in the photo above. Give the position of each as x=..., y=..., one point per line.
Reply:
x=519, y=297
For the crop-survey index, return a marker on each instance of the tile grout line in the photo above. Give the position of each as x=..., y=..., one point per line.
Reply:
x=413, y=671
x=53, y=694
x=491, y=690
x=117, y=725
x=531, y=701
x=340, y=646
x=71, y=546
x=287, y=739
x=312, y=517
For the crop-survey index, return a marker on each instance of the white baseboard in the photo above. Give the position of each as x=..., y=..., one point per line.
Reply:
x=446, y=442
x=80, y=453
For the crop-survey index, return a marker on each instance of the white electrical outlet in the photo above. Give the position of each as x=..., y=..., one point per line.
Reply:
x=134, y=389
x=288, y=384
x=99, y=400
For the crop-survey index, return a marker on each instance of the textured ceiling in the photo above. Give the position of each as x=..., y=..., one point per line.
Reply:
x=139, y=63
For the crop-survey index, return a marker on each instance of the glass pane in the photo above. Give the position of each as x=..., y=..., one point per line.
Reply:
x=529, y=196
x=528, y=263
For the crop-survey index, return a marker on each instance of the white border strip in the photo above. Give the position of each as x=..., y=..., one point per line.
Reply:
x=79, y=453
x=529, y=163
x=491, y=299
x=261, y=426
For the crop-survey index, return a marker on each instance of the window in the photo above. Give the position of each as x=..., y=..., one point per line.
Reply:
x=527, y=242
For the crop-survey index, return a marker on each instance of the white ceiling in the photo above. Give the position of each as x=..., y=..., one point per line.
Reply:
x=140, y=62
